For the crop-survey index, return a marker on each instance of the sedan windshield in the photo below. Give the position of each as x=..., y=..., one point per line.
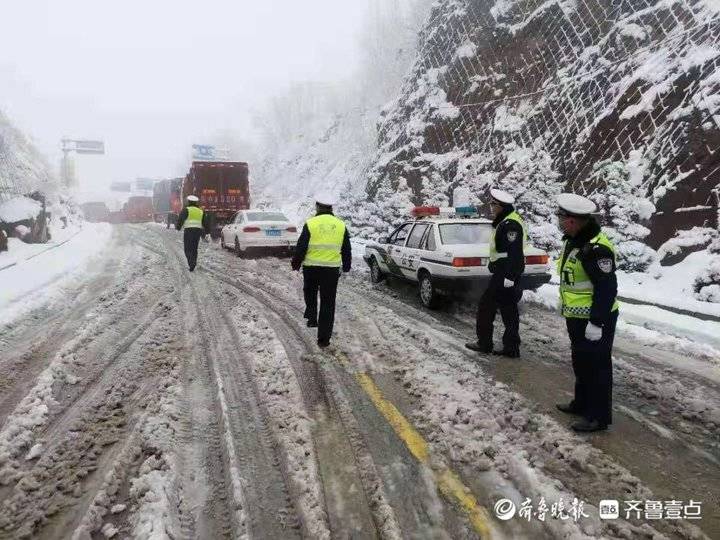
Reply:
x=265, y=216
x=465, y=233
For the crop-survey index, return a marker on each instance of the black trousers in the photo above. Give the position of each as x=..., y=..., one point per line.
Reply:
x=592, y=365
x=191, y=239
x=498, y=298
x=324, y=280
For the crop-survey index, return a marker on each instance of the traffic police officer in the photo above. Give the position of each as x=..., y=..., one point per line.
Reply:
x=507, y=264
x=322, y=249
x=194, y=221
x=588, y=297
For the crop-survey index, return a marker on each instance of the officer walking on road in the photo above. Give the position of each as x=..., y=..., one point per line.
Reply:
x=507, y=264
x=195, y=223
x=322, y=249
x=588, y=295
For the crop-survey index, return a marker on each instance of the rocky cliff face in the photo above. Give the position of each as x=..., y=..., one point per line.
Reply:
x=22, y=168
x=544, y=96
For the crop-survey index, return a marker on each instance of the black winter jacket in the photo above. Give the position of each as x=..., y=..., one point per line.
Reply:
x=508, y=239
x=599, y=263
x=183, y=216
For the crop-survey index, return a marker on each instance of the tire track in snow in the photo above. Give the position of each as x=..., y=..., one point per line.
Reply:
x=412, y=519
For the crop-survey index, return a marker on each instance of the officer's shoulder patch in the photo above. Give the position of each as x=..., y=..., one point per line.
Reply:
x=605, y=265
x=512, y=236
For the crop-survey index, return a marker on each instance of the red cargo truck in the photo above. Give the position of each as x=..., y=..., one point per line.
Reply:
x=138, y=209
x=222, y=187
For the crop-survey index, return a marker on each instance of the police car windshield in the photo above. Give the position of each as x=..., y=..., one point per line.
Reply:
x=265, y=216
x=464, y=233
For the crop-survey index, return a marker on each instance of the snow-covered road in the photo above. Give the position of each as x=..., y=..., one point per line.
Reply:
x=155, y=403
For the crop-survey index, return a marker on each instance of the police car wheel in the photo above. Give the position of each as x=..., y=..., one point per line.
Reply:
x=239, y=252
x=376, y=275
x=222, y=241
x=428, y=295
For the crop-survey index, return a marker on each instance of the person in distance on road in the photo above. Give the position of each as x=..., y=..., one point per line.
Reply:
x=322, y=249
x=588, y=296
x=194, y=223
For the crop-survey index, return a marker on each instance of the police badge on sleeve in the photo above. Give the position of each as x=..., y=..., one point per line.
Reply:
x=512, y=236
x=605, y=265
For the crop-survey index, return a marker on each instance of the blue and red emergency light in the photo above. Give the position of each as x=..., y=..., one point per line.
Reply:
x=460, y=211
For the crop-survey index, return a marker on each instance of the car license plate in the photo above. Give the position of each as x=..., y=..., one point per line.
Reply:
x=272, y=233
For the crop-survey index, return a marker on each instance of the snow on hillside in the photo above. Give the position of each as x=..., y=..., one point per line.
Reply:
x=319, y=137
x=22, y=168
x=567, y=92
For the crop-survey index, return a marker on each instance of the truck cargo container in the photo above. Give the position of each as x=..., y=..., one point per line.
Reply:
x=166, y=201
x=222, y=187
x=138, y=209
x=95, y=212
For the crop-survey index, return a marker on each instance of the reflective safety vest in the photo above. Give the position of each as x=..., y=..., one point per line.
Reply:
x=194, y=219
x=326, y=238
x=576, y=289
x=512, y=216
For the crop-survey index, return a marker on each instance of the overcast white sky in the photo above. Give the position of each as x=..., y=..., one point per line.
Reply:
x=151, y=77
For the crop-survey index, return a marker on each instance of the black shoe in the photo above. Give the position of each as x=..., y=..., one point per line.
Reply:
x=568, y=408
x=192, y=268
x=323, y=343
x=588, y=426
x=507, y=353
x=475, y=346
x=312, y=324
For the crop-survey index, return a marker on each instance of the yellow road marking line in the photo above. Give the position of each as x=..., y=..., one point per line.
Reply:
x=449, y=483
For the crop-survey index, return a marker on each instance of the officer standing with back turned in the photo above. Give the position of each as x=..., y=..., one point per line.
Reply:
x=507, y=264
x=588, y=295
x=322, y=249
x=195, y=223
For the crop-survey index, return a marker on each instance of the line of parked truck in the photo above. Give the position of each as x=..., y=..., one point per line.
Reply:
x=222, y=187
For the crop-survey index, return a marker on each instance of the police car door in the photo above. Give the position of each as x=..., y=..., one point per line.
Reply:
x=396, y=249
x=411, y=254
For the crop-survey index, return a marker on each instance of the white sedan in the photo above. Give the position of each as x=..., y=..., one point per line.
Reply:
x=259, y=230
x=445, y=256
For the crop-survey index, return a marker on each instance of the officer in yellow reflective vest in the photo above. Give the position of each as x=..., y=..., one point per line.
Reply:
x=194, y=221
x=588, y=298
x=507, y=264
x=322, y=249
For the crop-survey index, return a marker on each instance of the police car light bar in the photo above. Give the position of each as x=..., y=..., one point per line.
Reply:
x=425, y=211
x=461, y=211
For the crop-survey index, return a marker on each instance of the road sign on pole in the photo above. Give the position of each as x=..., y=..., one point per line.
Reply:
x=81, y=146
x=203, y=152
x=90, y=147
x=121, y=186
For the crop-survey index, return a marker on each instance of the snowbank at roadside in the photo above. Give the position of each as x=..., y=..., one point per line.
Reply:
x=34, y=274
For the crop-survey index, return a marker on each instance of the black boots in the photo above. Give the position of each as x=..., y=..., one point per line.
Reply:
x=477, y=347
x=588, y=426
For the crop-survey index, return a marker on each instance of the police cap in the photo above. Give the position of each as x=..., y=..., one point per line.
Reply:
x=501, y=197
x=571, y=204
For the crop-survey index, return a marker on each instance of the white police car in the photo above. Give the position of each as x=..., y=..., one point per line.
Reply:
x=446, y=252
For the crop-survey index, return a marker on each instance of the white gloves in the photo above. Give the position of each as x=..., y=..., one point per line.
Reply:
x=592, y=332
x=507, y=283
